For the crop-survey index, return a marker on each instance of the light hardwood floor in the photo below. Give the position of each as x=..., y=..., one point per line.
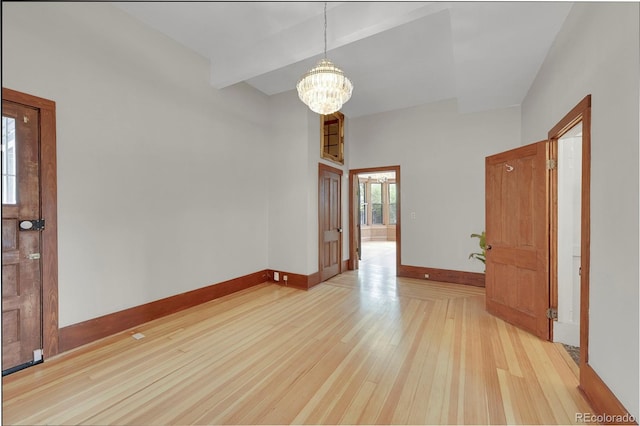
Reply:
x=362, y=348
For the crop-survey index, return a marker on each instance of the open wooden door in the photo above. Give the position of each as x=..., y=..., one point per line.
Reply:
x=517, y=221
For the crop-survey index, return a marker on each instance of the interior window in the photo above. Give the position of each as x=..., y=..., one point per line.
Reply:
x=332, y=138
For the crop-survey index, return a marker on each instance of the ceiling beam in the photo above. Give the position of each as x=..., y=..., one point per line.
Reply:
x=346, y=23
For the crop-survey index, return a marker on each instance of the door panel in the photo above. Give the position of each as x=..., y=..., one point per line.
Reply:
x=517, y=268
x=21, y=268
x=330, y=222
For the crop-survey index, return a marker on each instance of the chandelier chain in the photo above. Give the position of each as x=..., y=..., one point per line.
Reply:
x=325, y=30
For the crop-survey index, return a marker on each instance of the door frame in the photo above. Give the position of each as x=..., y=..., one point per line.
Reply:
x=49, y=212
x=580, y=113
x=354, y=217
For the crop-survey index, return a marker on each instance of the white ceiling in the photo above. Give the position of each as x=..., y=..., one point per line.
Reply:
x=397, y=54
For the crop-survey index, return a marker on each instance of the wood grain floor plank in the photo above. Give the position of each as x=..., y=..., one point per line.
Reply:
x=362, y=348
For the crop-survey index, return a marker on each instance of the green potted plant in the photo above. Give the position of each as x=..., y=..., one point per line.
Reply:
x=483, y=246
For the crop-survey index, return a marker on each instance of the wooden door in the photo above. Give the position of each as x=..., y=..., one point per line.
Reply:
x=21, y=265
x=517, y=221
x=329, y=212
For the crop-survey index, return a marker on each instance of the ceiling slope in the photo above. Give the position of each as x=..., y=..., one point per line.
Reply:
x=397, y=54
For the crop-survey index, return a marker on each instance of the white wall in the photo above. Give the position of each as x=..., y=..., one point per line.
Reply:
x=161, y=183
x=289, y=185
x=597, y=52
x=293, y=186
x=165, y=184
x=441, y=155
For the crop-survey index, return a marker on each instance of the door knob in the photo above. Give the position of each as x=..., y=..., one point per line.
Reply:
x=488, y=246
x=339, y=230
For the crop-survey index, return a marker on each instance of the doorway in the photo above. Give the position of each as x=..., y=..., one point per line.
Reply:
x=566, y=329
x=571, y=232
x=29, y=231
x=375, y=219
x=533, y=208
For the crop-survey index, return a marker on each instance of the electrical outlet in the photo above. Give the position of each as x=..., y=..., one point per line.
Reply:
x=285, y=278
x=426, y=276
x=276, y=276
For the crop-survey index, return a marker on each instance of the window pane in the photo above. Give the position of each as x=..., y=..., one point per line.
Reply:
x=392, y=193
x=363, y=204
x=9, y=190
x=376, y=193
x=363, y=193
x=376, y=203
x=376, y=210
x=392, y=204
x=331, y=140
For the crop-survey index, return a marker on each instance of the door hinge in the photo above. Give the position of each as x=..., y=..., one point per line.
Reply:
x=552, y=313
x=551, y=164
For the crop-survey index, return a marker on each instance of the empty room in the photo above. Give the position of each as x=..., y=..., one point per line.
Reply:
x=320, y=213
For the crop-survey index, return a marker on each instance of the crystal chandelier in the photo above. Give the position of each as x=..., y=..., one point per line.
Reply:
x=324, y=88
